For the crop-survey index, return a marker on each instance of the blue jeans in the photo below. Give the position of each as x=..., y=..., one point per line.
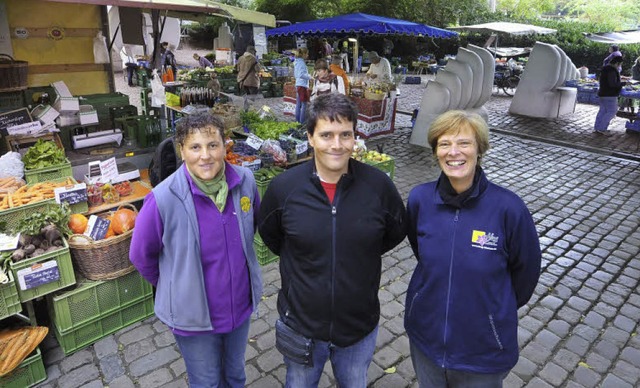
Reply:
x=301, y=109
x=349, y=364
x=608, y=109
x=215, y=360
x=431, y=375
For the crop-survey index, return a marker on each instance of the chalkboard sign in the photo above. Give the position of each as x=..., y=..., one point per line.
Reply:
x=39, y=274
x=15, y=117
x=97, y=227
x=71, y=194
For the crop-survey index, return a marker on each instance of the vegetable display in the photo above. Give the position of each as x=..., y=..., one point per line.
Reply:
x=42, y=233
x=44, y=153
x=31, y=194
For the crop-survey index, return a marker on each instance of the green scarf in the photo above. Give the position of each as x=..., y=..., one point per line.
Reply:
x=216, y=188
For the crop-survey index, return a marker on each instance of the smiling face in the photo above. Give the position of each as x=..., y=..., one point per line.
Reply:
x=332, y=144
x=457, y=154
x=203, y=152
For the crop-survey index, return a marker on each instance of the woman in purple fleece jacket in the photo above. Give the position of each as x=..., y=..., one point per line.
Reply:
x=194, y=242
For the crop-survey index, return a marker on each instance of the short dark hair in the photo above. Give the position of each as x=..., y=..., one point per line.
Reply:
x=616, y=59
x=615, y=47
x=331, y=107
x=198, y=122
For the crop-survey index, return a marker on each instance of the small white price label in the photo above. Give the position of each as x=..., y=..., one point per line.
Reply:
x=302, y=147
x=254, y=142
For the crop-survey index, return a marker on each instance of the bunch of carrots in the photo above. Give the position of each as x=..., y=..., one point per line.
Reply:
x=30, y=194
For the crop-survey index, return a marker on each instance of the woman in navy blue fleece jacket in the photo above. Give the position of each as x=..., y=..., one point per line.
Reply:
x=478, y=262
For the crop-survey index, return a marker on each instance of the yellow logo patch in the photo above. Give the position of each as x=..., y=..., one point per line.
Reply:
x=476, y=234
x=245, y=204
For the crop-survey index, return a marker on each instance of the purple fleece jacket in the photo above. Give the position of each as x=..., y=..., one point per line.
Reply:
x=224, y=265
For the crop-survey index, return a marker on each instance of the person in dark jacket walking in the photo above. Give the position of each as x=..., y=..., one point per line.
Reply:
x=610, y=87
x=478, y=262
x=330, y=220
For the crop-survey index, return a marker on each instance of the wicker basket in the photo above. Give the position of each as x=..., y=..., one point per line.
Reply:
x=13, y=74
x=103, y=259
x=374, y=96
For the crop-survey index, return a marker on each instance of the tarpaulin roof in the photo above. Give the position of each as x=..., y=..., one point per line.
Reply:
x=185, y=8
x=360, y=23
x=506, y=28
x=619, y=37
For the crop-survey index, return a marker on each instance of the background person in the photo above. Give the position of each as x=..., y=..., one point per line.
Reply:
x=248, y=71
x=202, y=61
x=336, y=61
x=302, y=76
x=194, y=242
x=330, y=220
x=478, y=261
x=635, y=70
x=610, y=87
x=379, y=69
x=168, y=59
x=325, y=82
x=614, y=51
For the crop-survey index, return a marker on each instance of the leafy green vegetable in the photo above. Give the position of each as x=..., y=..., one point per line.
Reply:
x=271, y=129
x=44, y=153
x=57, y=215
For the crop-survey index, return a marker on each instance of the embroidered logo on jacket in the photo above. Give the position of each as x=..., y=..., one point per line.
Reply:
x=484, y=240
x=245, y=204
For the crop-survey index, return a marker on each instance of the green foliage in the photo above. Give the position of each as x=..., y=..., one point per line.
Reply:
x=44, y=153
x=56, y=215
x=614, y=14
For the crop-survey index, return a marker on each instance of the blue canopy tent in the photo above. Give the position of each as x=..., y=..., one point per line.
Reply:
x=360, y=24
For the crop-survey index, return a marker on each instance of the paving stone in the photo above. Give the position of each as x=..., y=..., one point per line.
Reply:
x=269, y=360
x=265, y=382
x=152, y=361
x=179, y=383
x=631, y=355
x=178, y=367
x=138, y=349
x=165, y=338
x=111, y=367
x=537, y=382
x=553, y=374
x=525, y=369
x=93, y=384
x=391, y=380
x=615, y=335
x=387, y=357
x=266, y=340
x=547, y=339
x=513, y=381
x=105, y=347
x=76, y=360
x=566, y=359
x=122, y=382
x=135, y=335
x=612, y=381
x=607, y=349
x=577, y=345
x=384, y=337
x=586, y=377
x=155, y=378
x=627, y=372
x=78, y=377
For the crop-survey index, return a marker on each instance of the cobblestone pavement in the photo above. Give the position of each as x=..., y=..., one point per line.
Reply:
x=579, y=329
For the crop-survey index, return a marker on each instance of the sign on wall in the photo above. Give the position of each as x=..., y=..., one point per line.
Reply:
x=5, y=34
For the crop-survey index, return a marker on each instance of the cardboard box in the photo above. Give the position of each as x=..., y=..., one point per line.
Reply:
x=67, y=104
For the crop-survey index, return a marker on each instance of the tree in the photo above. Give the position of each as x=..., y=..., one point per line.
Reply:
x=526, y=8
x=616, y=14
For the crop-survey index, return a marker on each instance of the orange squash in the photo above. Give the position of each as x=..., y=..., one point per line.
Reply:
x=123, y=220
x=78, y=223
x=110, y=232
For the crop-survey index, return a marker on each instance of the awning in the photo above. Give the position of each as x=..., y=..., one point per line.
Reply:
x=189, y=9
x=361, y=23
x=618, y=37
x=506, y=28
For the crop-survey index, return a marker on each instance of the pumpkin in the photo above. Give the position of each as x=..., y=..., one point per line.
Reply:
x=123, y=220
x=110, y=232
x=78, y=223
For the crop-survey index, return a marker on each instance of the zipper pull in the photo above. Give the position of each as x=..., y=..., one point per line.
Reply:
x=333, y=210
x=456, y=217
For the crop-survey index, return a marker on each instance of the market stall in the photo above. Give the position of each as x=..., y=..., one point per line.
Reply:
x=376, y=115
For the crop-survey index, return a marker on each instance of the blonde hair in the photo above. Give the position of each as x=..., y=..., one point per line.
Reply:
x=302, y=51
x=452, y=122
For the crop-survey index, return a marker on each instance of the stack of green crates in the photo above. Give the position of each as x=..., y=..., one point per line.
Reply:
x=95, y=309
x=147, y=130
x=29, y=373
x=265, y=256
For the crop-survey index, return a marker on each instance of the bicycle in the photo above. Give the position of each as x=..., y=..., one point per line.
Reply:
x=506, y=79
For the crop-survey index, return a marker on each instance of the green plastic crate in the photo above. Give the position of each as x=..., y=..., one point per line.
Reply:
x=262, y=186
x=11, y=100
x=76, y=339
x=147, y=129
x=388, y=166
x=13, y=216
x=29, y=373
x=9, y=300
x=62, y=170
x=65, y=269
x=91, y=300
x=265, y=256
x=102, y=103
